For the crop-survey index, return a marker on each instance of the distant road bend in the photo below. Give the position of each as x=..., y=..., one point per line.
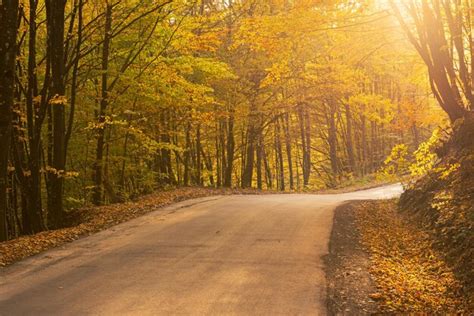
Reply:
x=238, y=255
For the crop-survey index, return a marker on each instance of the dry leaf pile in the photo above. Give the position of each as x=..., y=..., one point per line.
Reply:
x=411, y=275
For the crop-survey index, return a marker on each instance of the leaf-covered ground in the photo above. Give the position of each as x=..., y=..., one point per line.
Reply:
x=411, y=276
x=87, y=221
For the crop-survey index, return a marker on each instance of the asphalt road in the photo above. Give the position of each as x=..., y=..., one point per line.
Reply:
x=234, y=255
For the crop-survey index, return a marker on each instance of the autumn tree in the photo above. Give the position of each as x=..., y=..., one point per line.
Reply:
x=442, y=35
x=9, y=15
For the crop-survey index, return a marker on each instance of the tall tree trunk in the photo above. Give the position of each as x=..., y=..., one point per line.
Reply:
x=32, y=214
x=99, y=159
x=289, y=153
x=259, y=162
x=332, y=140
x=373, y=145
x=187, y=155
x=416, y=136
x=247, y=176
x=230, y=148
x=307, y=118
x=305, y=129
x=220, y=153
x=268, y=170
x=208, y=162
x=364, y=143
x=8, y=48
x=279, y=156
x=350, y=140
x=198, y=156
x=55, y=22
x=75, y=71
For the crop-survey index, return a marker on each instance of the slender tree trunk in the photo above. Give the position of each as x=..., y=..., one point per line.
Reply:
x=209, y=166
x=350, y=140
x=307, y=119
x=289, y=151
x=198, y=156
x=32, y=214
x=230, y=148
x=306, y=143
x=219, y=143
x=364, y=143
x=332, y=140
x=247, y=175
x=279, y=156
x=416, y=136
x=373, y=145
x=187, y=155
x=75, y=72
x=259, y=162
x=99, y=159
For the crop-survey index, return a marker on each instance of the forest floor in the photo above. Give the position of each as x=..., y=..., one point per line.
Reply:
x=381, y=262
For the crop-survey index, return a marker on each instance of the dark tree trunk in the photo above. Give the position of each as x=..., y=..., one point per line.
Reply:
x=268, y=171
x=332, y=140
x=364, y=144
x=198, y=156
x=230, y=149
x=187, y=155
x=165, y=166
x=416, y=136
x=259, y=162
x=373, y=146
x=350, y=140
x=99, y=159
x=208, y=163
x=289, y=151
x=8, y=49
x=305, y=129
x=247, y=175
x=279, y=156
x=55, y=21
x=31, y=186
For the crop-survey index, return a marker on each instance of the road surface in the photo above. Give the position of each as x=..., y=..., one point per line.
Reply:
x=233, y=255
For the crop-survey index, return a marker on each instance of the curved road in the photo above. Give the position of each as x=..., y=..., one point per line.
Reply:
x=233, y=255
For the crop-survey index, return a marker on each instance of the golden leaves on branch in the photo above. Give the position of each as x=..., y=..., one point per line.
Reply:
x=58, y=100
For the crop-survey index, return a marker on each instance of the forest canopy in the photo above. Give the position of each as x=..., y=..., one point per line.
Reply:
x=105, y=101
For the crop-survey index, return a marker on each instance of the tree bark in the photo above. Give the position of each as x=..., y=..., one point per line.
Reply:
x=31, y=186
x=289, y=150
x=99, y=160
x=230, y=149
x=247, y=176
x=305, y=129
x=350, y=140
x=55, y=22
x=8, y=48
x=332, y=140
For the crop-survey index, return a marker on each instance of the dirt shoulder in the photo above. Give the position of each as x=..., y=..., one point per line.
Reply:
x=381, y=262
x=347, y=267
